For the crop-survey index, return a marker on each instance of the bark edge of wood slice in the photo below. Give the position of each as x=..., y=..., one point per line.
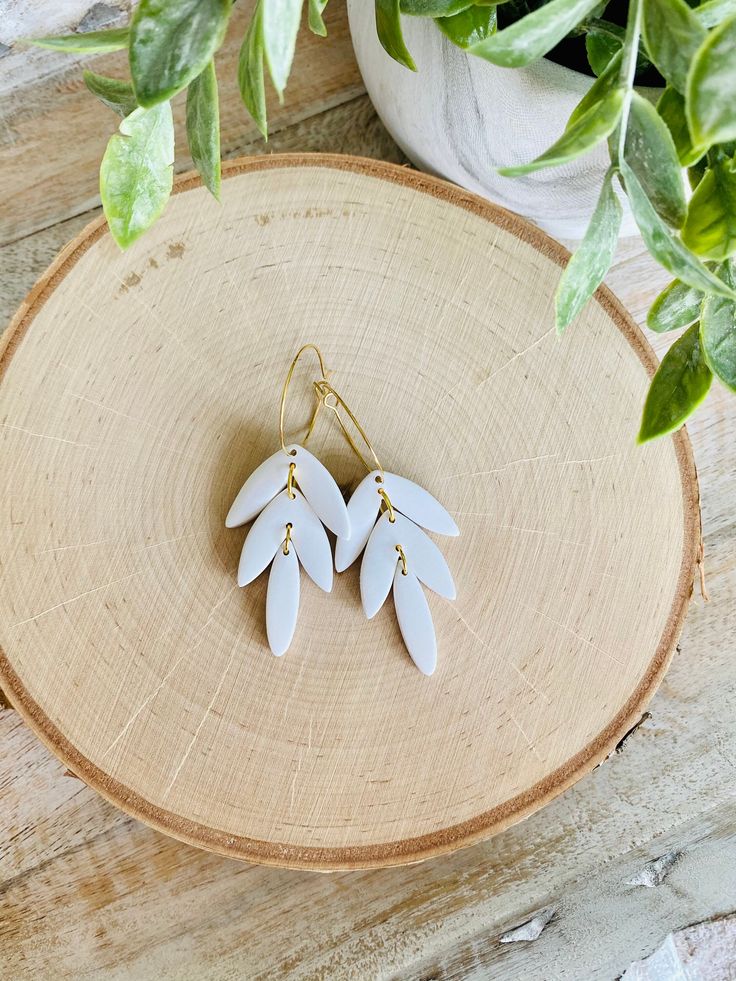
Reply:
x=138, y=390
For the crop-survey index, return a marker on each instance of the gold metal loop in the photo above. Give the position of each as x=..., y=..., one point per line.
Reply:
x=387, y=502
x=287, y=539
x=290, y=481
x=334, y=401
x=285, y=389
x=402, y=556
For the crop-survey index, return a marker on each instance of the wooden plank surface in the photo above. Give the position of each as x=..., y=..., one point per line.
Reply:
x=53, y=133
x=86, y=892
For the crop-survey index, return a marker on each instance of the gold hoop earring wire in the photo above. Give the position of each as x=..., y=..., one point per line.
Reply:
x=331, y=399
x=284, y=391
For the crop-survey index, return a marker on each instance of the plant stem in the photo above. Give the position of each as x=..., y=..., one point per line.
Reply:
x=628, y=69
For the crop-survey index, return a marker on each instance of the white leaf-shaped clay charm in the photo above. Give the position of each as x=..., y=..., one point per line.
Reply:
x=261, y=487
x=322, y=493
x=415, y=620
x=362, y=511
x=417, y=504
x=312, y=546
x=378, y=567
x=282, y=600
x=424, y=560
x=267, y=533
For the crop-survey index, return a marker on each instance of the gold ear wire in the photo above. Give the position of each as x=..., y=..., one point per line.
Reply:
x=285, y=389
x=328, y=397
x=332, y=400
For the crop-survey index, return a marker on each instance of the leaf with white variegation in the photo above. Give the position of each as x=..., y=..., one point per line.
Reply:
x=678, y=305
x=587, y=131
x=665, y=246
x=711, y=114
x=718, y=331
x=280, y=28
x=590, y=263
x=534, y=35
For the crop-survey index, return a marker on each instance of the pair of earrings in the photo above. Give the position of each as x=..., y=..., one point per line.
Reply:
x=293, y=498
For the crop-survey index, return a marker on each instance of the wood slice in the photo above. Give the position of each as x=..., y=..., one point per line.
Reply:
x=139, y=390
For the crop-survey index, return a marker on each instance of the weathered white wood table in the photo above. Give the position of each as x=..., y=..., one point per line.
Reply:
x=87, y=892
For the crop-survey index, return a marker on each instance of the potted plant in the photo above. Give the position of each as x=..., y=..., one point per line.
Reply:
x=463, y=117
x=647, y=147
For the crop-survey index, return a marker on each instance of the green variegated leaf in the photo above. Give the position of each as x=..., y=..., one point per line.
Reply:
x=585, y=133
x=116, y=95
x=601, y=46
x=93, y=42
x=171, y=42
x=434, y=8
x=250, y=71
x=280, y=28
x=678, y=305
x=470, y=26
x=316, y=23
x=672, y=34
x=710, y=227
x=137, y=171
x=388, y=26
x=718, y=331
x=533, y=36
x=671, y=107
x=203, y=128
x=696, y=173
x=679, y=386
x=650, y=152
x=608, y=81
x=587, y=267
x=714, y=12
x=710, y=102
x=664, y=245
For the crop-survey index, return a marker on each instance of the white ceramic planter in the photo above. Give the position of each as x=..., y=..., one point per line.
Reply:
x=461, y=117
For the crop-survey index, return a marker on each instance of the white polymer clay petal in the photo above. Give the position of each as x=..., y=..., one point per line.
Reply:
x=378, y=567
x=418, y=505
x=312, y=545
x=265, y=536
x=322, y=493
x=261, y=487
x=415, y=620
x=423, y=559
x=282, y=600
x=362, y=511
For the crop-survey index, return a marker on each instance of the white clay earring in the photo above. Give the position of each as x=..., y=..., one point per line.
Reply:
x=291, y=495
x=398, y=553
